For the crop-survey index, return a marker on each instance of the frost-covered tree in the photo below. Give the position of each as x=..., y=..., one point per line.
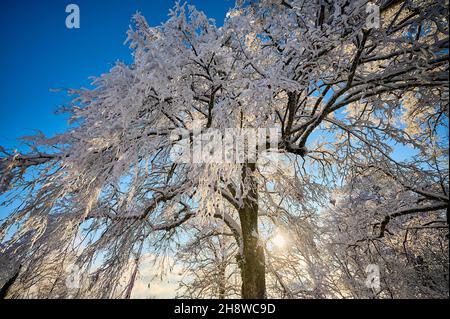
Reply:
x=210, y=265
x=376, y=220
x=342, y=91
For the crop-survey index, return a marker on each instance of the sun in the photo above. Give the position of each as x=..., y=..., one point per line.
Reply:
x=279, y=240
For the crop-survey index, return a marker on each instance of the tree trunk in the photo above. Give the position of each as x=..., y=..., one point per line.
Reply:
x=222, y=281
x=253, y=263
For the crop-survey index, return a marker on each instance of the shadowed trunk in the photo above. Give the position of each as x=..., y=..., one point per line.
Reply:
x=253, y=263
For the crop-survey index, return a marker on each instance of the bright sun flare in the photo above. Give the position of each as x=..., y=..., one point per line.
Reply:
x=279, y=240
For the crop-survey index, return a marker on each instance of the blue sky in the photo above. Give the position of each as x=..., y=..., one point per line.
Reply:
x=39, y=53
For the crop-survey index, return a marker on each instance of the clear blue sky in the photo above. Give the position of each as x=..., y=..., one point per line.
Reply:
x=39, y=53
